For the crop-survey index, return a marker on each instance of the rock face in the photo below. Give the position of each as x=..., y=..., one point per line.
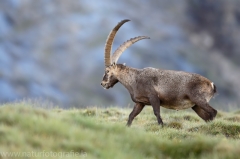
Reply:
x=54, y=49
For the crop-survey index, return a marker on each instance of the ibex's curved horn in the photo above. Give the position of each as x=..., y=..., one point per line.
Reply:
x=124, y=46
x=108, y=45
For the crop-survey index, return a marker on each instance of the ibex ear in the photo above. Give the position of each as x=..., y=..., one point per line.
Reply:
x=113, y=64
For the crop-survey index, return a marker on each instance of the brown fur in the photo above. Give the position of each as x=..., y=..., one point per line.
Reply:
x=167, y=88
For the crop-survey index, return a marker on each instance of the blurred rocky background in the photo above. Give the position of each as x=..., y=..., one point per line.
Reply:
x=53, y=49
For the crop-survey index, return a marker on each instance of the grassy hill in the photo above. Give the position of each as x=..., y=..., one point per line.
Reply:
x=29, y=132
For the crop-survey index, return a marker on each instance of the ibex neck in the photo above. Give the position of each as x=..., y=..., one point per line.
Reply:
x=127, y=76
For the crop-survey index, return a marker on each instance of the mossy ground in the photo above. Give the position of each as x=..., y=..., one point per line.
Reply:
x=101, y=133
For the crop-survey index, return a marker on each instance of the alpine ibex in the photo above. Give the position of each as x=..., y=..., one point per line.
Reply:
x=150, y=86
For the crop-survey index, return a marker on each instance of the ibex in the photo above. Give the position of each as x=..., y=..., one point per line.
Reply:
x=150, y=86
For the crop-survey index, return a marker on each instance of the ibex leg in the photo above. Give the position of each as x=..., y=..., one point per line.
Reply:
x=136, y=110
x=155, y=102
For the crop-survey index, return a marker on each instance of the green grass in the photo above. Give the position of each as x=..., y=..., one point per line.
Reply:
x=32, y=132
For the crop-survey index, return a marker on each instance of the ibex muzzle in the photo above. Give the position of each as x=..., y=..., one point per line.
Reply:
x=150, y=86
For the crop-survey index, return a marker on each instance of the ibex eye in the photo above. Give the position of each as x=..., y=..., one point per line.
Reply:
x=107, y=71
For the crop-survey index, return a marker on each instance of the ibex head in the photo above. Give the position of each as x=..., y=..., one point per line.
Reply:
x=109, y=78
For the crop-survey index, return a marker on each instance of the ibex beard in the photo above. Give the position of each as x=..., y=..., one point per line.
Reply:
x=156, y=87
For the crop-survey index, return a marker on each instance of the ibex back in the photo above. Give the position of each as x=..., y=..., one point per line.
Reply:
x=150, y=86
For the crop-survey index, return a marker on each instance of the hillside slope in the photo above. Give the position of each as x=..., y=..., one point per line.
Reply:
x=28, y=132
